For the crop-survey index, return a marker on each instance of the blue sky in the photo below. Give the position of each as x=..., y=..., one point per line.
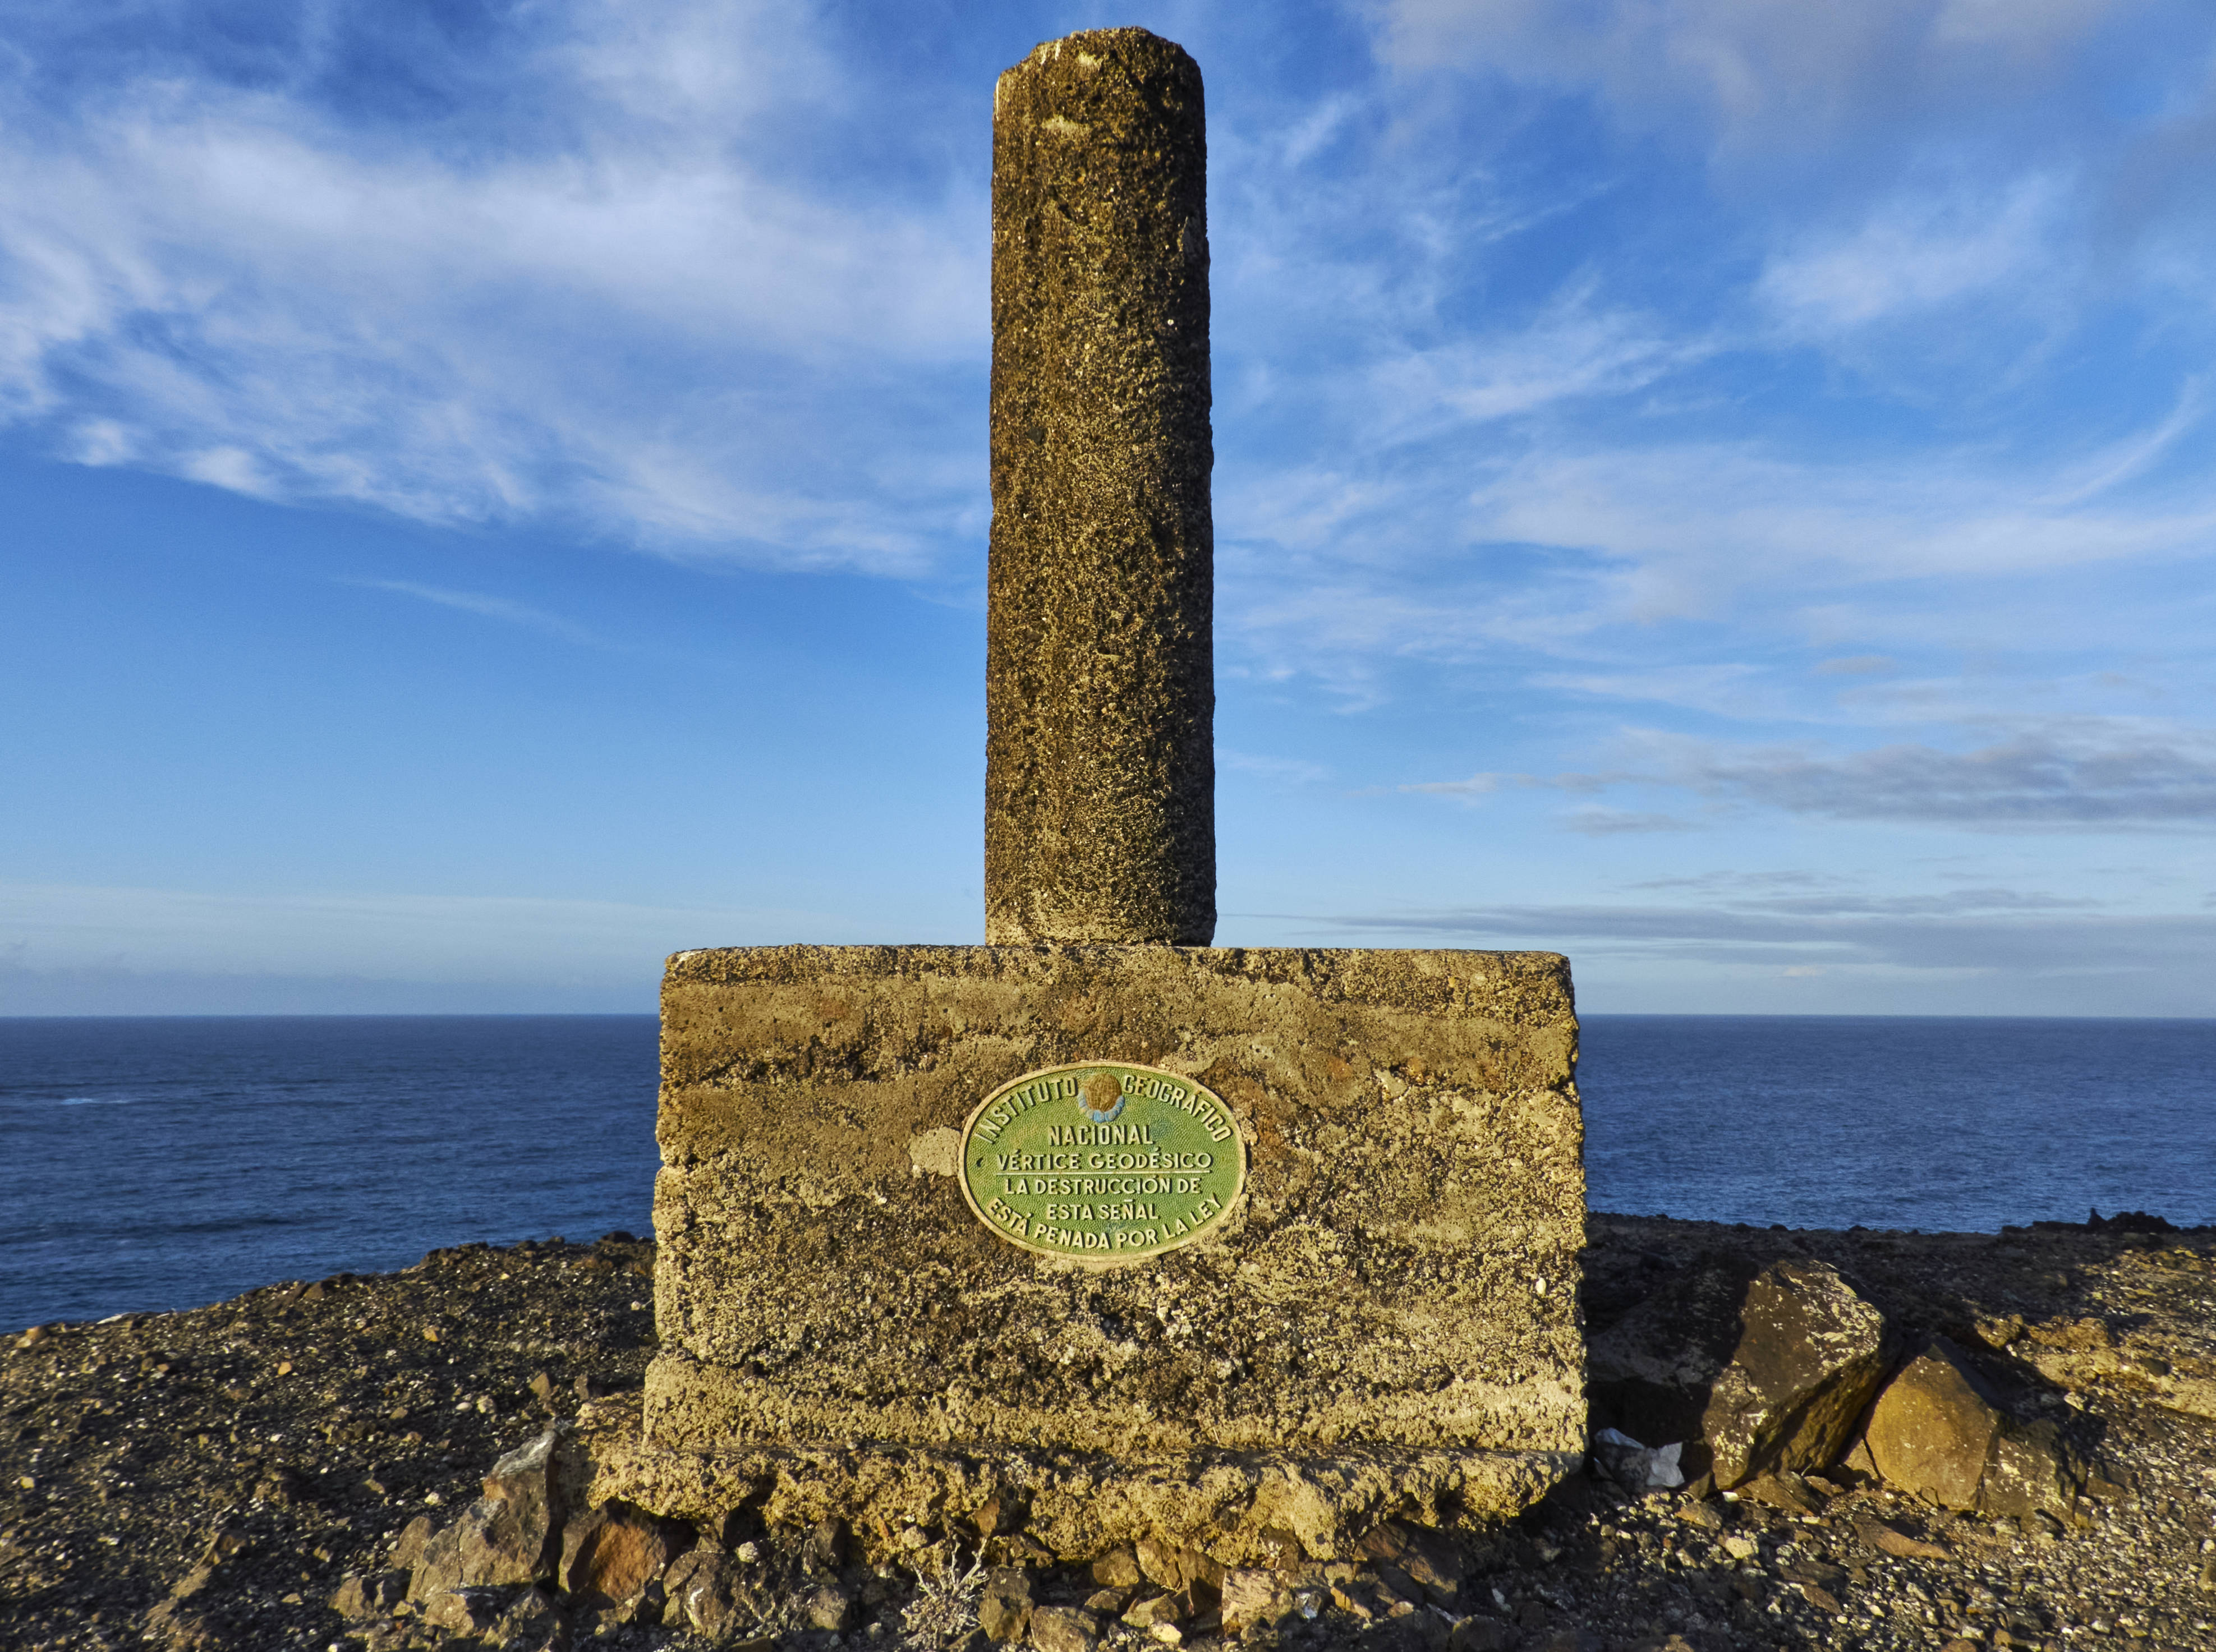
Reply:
x=1721, y=489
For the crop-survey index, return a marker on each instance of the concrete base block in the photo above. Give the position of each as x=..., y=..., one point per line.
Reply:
x=1384, y=1324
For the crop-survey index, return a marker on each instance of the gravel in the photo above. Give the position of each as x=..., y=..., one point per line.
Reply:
x=211, y=1477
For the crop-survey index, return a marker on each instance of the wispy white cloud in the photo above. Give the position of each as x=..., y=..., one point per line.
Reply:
x=1584, y=554
x=1993, y=928
x=1858, y=665
x=2028, y=948
x=2068, y=774
x=1693, y=527
x=1477, y=785
x=1611, y=823
x=1574, y=349
x=1718, y=689
x=1917, y=254
x=615, y=319
x=2079, y=775
x=2134, y=455
x=489, y=607
x=1755, y=72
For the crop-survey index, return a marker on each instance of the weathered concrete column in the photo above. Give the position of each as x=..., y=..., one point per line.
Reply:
x=1100, y=697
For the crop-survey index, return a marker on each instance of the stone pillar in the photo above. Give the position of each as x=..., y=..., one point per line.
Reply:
x=1100, y=697
x=1371, y=1295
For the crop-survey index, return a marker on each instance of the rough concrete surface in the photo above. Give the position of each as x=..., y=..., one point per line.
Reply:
x=1399, y=1277
x=1067, y=1505
x=1100, y=698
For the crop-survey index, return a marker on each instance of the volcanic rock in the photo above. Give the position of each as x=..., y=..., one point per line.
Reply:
x=612, y=1552
x=464, y=1611
x=511, y=1535
x=1064, y=1629
x=703, y=1592
x=1117, y=1570
x=1250, y=1595
x=1004, y=1609
x=1810, y=1354
x=1939, y=1431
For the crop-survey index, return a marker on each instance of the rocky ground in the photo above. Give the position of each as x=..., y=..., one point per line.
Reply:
x=221, y=1477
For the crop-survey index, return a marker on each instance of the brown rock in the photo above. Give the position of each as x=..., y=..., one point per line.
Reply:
x=464, y=1611
x=226, y=1543
x=506, y=1536
x=1701, y=1514
x=282, y=1486
x=702, y=1592
x=513, y=1535
x=532, y=1622
x=1786, y=1491
x=1811, y=1352
x=1279, y=1550
x=1117, y=1570
x=1064, y=1629
x=1099, y=688
x=1163, y=1562
x=1004, y=1608
x=612, y=1552
x=826, y=1547
x=438, y=1568
x=1938, y=1430
x=828, y=1606
x=1823, y=1574
x=1429, y=1559
x=369, y=1597
x=1398, y=1589
x=407, y=1547
x=1203, y=1575
x=1822, y=1599
x=1893, y=1541
x=1249, y=1595
x=1424, y=1632
x=181, y=1628
x=1158, y=1609
x=2032, y=1469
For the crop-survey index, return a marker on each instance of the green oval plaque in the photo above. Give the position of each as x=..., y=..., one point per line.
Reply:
x=1102, y=1160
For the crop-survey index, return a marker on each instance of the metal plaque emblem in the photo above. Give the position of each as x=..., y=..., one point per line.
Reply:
x=1102, y=1161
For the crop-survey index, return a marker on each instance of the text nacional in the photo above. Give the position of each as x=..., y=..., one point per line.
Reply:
x=1102, y=1160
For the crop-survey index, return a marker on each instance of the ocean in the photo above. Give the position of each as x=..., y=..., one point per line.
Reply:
x=165, y=1162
